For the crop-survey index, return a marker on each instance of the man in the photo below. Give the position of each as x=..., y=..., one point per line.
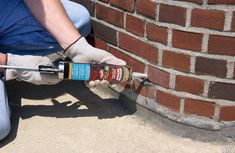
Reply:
x=32, y=29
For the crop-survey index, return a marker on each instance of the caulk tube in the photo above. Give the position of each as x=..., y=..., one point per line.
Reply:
x=91, y=72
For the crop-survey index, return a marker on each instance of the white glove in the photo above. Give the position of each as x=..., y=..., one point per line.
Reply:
x=33, y=77
x=82, y=52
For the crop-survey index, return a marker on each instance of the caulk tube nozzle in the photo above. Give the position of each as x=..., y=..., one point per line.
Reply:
x=139, y=75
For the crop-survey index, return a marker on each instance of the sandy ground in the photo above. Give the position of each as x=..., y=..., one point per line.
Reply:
x=68, y=118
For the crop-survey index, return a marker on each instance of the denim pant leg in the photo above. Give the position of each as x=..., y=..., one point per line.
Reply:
x=79, y=15
x=21, y=33
x=4, y=112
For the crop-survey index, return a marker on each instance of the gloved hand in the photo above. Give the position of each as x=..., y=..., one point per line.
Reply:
x=29, y=76
x=82, y=52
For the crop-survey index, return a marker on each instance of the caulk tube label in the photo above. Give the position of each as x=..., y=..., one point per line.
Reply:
x=89, y=72
x=79, y=71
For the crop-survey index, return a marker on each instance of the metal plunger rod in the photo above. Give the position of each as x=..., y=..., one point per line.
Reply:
x=40, y=68
x=18, y=68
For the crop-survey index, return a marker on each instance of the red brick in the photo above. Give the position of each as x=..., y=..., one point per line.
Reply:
x=156, y=33
x=146, y=8
x=138, y=47
x=159, y=77
x=90, y=5
x=212, y=19
x=227, y=2
x=189, y=84
x=176, y=61
x=193, y=1
x=135, y=25
x=107, y=33
x=100, y=43
x=199, y=107
x=168, y=100
x=96, y=42
x=172, y=14
x=220, y=90
x=187, y=40
x=124, y=4
x=207, y=66
x=146, y=91
x=110, y=15
x=227, y=113
x=221, y=45
x=233, y=22
x=137, y=66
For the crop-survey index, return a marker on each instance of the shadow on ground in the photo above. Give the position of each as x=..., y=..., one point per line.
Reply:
x=96, y=107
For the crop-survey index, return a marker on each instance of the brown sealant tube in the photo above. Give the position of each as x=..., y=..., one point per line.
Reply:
x=89, y=72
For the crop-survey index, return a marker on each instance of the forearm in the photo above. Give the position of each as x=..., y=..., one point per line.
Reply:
x=51, y=14
x=3, y=59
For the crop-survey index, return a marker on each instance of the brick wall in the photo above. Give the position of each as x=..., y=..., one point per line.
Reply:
x=187, y=47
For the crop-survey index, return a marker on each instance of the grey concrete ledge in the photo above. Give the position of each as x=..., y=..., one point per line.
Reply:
x=195, y=121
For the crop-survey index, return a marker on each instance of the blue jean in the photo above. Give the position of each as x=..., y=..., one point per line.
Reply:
x=4, y=112
x=22, y=34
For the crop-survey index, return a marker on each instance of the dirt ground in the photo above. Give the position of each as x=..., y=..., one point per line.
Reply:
x=69, y=118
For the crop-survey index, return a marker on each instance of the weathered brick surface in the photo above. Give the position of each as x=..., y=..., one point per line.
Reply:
x=138, y=47
x=220, y=90
x=214, y=67
x=172, y=14
x=110, y=15
x=187, y=40
x=228, y=2
x=233, y=22
x=212, y=19
x=100, y=43
x=189, y=84
x=227, y=113
x=156, y=33
x=221, y=45
x=135, y=25
x=175, y=60
x=97, y=42
x=105, y=32
x=159, y=77
x=124, y=4
x=198, y=107
x=168, y=100
x=146, y=8
x=179, y=51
